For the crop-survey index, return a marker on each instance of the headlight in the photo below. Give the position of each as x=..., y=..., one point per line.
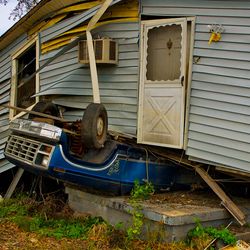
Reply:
x=43, y=156
x=45, y=161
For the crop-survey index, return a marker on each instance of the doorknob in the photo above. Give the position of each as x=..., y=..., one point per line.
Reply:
x=182, y=80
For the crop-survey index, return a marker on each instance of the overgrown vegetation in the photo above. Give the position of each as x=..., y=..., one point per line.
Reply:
x=42, y=218
x=52, y=219
x=138, y=193
x=206, y=234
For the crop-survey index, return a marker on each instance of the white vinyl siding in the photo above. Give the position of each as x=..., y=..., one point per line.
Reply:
x=5, y=84
x=219, y=112
x=70, y=81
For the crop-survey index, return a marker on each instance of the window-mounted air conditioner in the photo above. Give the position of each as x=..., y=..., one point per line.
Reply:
x=106, y=51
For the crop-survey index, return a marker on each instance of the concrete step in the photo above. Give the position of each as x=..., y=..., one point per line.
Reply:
x=171, y=221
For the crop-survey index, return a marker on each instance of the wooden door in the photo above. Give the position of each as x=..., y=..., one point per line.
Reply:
x=162, y=82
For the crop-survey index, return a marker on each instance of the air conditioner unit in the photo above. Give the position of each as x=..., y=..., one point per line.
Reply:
x=106, y=51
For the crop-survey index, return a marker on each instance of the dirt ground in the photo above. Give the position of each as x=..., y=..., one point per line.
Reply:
x=12, y=237
x=196, y=198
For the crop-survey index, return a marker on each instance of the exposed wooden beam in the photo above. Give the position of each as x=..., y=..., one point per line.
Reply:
x=98, y=14
x=14, y=183
x=232, y=208
x=91, y=53
x=93, y=69
x=34, y=113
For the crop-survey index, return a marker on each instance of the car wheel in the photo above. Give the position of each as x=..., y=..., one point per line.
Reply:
x=94, y=126
x=45, y=108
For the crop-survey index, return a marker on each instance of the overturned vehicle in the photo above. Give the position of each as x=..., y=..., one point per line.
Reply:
x=82, y=152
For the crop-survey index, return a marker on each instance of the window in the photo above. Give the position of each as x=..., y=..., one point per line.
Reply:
x=24, y=84
x=164, y=53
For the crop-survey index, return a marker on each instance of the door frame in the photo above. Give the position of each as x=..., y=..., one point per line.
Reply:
x=187, y=89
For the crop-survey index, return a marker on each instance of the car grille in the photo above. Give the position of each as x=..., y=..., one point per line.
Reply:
x=22, y=148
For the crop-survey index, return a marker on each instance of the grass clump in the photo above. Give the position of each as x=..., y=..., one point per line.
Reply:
x=33, y=216
x=200, y=236
x=53, y=218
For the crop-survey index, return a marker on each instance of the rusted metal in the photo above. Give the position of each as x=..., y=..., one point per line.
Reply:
x=76, y=145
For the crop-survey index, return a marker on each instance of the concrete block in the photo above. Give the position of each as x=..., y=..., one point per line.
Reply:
x=170, y=221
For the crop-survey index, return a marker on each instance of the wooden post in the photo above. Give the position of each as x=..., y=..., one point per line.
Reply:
x=33, y=112
x=226, y=201
x=91, y=53
x=231, y=207
x=93, y=69
x=14, y=183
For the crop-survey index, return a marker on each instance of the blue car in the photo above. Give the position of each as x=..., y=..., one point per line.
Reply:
x=53, y=151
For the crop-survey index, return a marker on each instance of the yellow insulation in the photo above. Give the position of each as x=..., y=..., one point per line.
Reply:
x=68, y=36
x=46, y=24
x=62, y=13
x=79, y=7
x=126, y=11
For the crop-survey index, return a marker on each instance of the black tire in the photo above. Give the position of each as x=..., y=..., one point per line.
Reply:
x=45, y=108
x=94, y=126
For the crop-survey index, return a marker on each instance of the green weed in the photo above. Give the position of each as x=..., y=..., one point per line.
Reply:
x=208, y=233
x=141, y=192
x=138, y=193
x=25, y=214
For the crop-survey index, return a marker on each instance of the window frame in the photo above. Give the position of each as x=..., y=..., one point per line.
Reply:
x=14, y=78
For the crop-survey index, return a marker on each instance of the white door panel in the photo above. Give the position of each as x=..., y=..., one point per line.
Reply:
x=161, y=119
x=162, y=85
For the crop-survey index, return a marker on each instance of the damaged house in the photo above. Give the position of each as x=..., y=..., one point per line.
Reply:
x=173, y=74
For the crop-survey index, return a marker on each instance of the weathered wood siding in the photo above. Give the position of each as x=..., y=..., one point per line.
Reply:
x=5, y=80
x=219, y=116
x=118, y=83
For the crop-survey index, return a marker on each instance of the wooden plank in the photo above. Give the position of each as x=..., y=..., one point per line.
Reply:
x=14, y=183
x=91, y=53
x=34, y=113
x=233, y=172
x=226, y=201
x=98, y=15
x=93, y=69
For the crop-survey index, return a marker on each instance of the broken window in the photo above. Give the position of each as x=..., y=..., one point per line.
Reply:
x=26, y=87
x=24, y=84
